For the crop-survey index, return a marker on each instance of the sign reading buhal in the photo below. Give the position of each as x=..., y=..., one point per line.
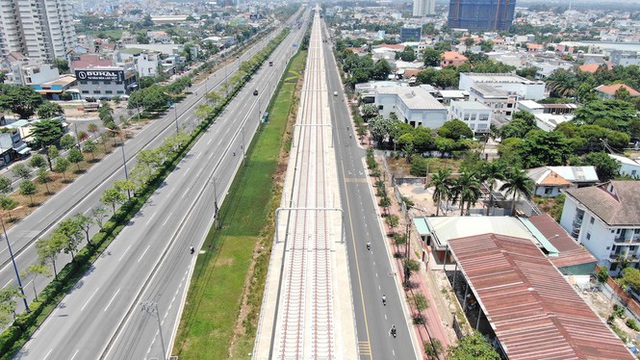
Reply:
x=100, y=75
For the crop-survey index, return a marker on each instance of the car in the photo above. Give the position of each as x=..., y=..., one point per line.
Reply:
x=255, y=92
x=335, y=93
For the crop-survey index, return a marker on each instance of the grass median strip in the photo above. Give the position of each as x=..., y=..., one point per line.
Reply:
x=229, y=276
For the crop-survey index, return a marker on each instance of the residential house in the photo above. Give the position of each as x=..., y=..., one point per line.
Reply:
x=606, y=219
x=608, y=92
x=476, y=115
x=548, y=116
x=551, y=181
x=499, y=101
x=412, y=105
x=453, y=58
x=628, y=167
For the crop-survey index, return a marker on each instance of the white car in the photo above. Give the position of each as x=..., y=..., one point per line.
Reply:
x=335, y=93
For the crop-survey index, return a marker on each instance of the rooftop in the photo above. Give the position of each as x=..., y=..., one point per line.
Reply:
x=534, y=312
x=562, y=175
x=611, y=89
x=617, y=203
x=470, y=105
x=453, y=227
x=415, y=98
x=500, y=78
x=487, y=90
x=624, y=160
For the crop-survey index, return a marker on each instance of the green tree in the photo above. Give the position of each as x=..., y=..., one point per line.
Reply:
x=28, y=188
x=603, y=274
x=47, y=132
x=442, y=187
x=48, y=110
x=52, y=153
x=446, y=78
x=8, y=296
x=486, y=46
x=21, y=100
x=607, y=168
x=34, y=271
x=75, y=157
x=380, y=128
x=434, y=348
x=42, y=176
x=455, y=130
x=472, y=347
x=631, y=277
x=37, y=161
x=7, y=203
x=432, y=57
x=611, y=114
x=62, y=165
x=517, y=184
x=67, y=141
x=98, y=215
x=84, y=223
x=113, y=197
x=48, y=250
x=62, y=65
x=381, y=70
x=70, y=234
x=540, y=148
x=408, y=54
x=520, y=125
x=91, y=148
x=426, y=76
x=562, y=83
x=5, y=185
x=21, y=171
x=467, y=189
x=92, y=129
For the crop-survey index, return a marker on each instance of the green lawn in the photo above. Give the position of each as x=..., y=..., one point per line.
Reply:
x=213, y=303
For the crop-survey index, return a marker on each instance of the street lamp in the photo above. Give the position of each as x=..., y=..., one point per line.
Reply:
x=124, y=159
x=13, y=260
x=175, y=109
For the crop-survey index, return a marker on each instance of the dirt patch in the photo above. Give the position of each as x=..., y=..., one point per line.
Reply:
x=602, y=304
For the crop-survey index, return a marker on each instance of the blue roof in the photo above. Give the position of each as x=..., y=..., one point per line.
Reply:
x=540, y=237
x=421, y=225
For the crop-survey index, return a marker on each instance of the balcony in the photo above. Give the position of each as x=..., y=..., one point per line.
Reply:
x=621, y=239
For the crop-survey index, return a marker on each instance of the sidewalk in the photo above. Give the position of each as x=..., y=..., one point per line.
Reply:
x=437, y=316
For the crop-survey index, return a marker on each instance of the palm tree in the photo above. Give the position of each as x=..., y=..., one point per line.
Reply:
x=489, y=173
x=467, y=190
x=442, y=183
x=562, y=83
x=518, y=184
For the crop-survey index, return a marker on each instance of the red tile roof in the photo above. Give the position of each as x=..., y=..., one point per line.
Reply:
x=534, y=312
x=453, y=55
x=90, y=60
x=611, y=89
x=398, y=47
x=590, y=68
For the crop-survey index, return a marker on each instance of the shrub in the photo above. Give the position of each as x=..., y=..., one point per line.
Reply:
x=632, y=324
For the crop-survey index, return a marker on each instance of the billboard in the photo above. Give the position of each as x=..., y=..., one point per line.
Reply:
x=100, y=75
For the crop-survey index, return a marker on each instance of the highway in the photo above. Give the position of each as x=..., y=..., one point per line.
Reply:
x=372, y=273
x=128, y=304
x=84, y=193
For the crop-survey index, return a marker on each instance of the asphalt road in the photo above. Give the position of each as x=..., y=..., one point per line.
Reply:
x=372, y=273
x=84, y=194
x=128, y=304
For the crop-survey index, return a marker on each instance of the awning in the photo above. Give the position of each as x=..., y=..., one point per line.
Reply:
x=22, y=149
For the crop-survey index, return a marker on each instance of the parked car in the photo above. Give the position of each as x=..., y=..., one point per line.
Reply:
x=335, y=93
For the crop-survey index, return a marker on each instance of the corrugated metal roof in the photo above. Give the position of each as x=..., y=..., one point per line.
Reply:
x=535, y=313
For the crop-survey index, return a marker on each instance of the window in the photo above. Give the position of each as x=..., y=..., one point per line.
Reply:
x=97, y=92
x=118, y=82
x=380, y=107
x=82, y=82
x=95, y=82
x=548, y=191
x=636, y=231
x=107, y=82
x=85, y=91
x=588, y=236
x=592, y=220
x=608, y=247
x=108, y=92
x=120, y=92
x=633, y=172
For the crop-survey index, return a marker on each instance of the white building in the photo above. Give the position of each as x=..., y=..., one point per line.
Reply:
x=29, y=71
x=412, y=105
x=424, y=7
x=628, y=166
x=523, y=88
x=477, y=116
x=551, y=181
x=606, y=220
x=39, y=29
x=502, y=103
x=147, y=62
x=548, y=116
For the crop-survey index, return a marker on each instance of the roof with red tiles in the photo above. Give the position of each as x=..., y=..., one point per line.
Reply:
x=534, y=311
x=611, y=89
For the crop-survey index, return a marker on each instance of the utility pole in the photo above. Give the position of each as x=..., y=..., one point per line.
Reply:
x=150, y=308
x=216, y=216
x=175, y=109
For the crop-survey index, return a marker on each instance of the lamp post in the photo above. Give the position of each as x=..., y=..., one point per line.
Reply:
x=216, y=216
x=124, y=160
x=13, y=260
x=175, y=110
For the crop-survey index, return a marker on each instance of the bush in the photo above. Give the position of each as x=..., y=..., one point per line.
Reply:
x=632, y=324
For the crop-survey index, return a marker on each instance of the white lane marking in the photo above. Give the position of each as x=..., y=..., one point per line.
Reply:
x=145, y=251
x=8, y=282
x=151, y=218
x=170, y=192
x=46, y=356
x=74, y=354
x=376, y=274
x=167, y=219
x=124, y=253
x=209, y=142
x=385, y=316
x=187, y=171
x=90, y=297
x=112, y=298
x=394, y=352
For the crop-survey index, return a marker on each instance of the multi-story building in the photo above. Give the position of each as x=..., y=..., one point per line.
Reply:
x=412, y=105
x=424, y=7
x=502, y=103
x=39, y=29
x=476, y=115
x=105, y=81
x=606, y=220
x=410, y=34
x=513, y=84
x=625, y=58
x=147, y=62
x=481, y=15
